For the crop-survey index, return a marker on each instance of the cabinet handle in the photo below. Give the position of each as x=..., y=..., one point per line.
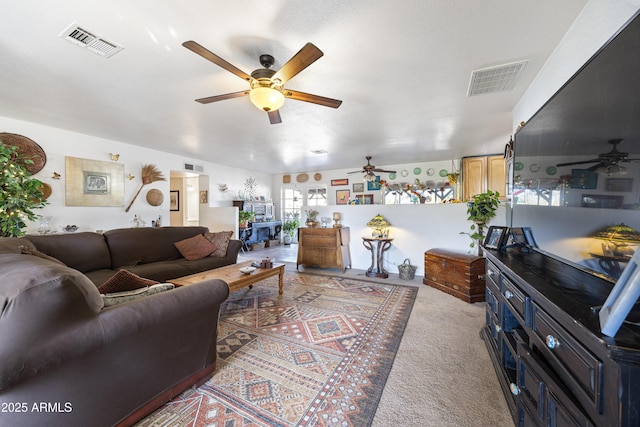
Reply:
x=498, y=328
x=508, y=294
x=552, y=342
x=491, y=272
x=481, y=276
x=515, y=390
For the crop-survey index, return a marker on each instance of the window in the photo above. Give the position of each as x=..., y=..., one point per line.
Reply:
x=291, y=203
x=317, y=196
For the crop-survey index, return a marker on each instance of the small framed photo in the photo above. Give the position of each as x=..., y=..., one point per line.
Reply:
x=204, y=196
x=335, y=182
x=367, y=199
x=496, y=236
x=619, y=184
x=174, y=200
x=358, y=187
x=374, y=185
x=583, y=178
x=342, y=197
x=523, y=236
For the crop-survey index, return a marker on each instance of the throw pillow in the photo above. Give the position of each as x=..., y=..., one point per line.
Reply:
x=123, y=281
x=220, y=240
x=196, y=247
x=120, y=297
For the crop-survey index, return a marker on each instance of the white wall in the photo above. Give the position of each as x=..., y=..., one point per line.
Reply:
x=58, y=143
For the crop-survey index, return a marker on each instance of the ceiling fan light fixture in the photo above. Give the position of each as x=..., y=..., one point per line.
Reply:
x=370, y=176
x=266, y=98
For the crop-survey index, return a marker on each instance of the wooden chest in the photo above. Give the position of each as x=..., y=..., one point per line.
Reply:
x=457, y=274
x=324, y=247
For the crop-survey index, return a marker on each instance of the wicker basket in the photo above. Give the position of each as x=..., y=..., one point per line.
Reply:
x=155, y=197
x=406, y=270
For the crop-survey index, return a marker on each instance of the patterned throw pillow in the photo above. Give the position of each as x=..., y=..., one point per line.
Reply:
x=196, y=247
x=121, y=297
x=123, y=281
x=220, y=240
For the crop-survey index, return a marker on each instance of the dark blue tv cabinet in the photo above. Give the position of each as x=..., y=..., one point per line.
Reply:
x=543, y=336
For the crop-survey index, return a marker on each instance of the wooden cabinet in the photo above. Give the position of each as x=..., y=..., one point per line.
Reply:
x=460, y=275
x=324, y=247
x=482, y=173
x=543, y=335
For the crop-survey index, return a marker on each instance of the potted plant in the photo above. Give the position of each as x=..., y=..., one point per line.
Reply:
x=289, y=229
x=480, y=211
x=19, y=193
x=312, y=217
x=245, y=217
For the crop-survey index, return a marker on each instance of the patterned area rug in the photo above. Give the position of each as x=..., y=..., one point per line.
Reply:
x=319, y=355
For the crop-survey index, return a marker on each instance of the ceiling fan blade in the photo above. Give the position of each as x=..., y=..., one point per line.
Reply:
x=360, y=171
x=578, y=163
x=597, y=166
x=207, y=54
x=274, y=117
x=301, y=60
x=315, y=99
x=216, y=98
x=384, y=171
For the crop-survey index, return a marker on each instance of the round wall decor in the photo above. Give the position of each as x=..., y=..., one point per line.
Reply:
x=317, y=176
x=303, y=177
x=155, y=197
x=28, y=149
x=286, y=179
x=46, y=190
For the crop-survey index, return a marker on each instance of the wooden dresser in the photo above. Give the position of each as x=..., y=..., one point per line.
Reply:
x=324, y=247
x=457, y=274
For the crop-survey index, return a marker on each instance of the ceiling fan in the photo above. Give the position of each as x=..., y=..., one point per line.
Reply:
x=369, y=170
x=606, y=162
x=267, y=87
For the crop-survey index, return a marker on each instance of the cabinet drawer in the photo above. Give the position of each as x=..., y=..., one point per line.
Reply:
x=516, y=300
x=574, y=363
x=319, y=241
x=541, y=393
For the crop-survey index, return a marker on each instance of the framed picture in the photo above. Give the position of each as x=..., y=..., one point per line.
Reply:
x=367, y=199
x=204, y=197
x=619, y=184
x=174, y=200
x=93, y=183
x=335, y=182
x=496, y=237
x=522, y=236
x=358, y=187
x=583, y=178
x=374, y=185
x=622, y=298
x=342, y=197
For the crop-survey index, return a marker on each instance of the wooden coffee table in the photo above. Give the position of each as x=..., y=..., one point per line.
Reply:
x=234, y=278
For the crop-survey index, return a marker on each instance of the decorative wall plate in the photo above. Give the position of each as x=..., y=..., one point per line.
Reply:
x=443, y=172
x=518, y=166
x=404, y=173
x=28, y=149
x=303, y=177
x=286, y=179
x=430, y=171
x=551, y=170
x=417, y=171
x=392, y=176
x=317, y=176
x=534, y=167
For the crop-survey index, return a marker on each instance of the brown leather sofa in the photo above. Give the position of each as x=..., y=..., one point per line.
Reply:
x=67, y=360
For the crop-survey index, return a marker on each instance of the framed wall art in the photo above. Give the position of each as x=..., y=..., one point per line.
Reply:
x=619, y=184
x=496, y=237
x=174, y=200
x=335, y=182
x=358, y=187
x=583, y=178
x=93, y=183
x=342, y=197
x=374, y=185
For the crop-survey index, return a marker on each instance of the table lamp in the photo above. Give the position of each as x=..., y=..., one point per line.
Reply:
x=380, y=226
x=336, y=217
x=617, y=239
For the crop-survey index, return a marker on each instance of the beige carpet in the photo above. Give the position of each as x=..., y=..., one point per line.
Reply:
x=442, y=375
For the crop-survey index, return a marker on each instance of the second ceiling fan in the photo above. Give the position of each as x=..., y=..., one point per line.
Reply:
x=267, y=87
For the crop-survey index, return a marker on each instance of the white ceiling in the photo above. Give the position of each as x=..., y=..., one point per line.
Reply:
x=401, y=68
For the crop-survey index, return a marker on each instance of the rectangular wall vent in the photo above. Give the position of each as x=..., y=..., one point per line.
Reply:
x=495, y=79
x=88, y=39
x=193, y=168
x=188, y=167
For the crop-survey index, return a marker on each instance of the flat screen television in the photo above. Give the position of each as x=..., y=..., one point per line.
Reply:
x=576, y=164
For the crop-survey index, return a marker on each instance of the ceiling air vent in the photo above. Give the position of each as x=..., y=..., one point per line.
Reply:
x=193, y=168
x=88, y=39
x=495, y=79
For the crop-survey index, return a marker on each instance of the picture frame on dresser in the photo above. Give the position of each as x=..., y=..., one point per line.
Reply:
x=496, y=237
x=622, y=298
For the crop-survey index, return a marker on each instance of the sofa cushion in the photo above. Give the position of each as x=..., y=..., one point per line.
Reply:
x=220, y=240
x=30, y=250
x=123, y=281
x=84, y=251
x=14, y=245
x=133, y=246
x=194, y=248
x=122, y=297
